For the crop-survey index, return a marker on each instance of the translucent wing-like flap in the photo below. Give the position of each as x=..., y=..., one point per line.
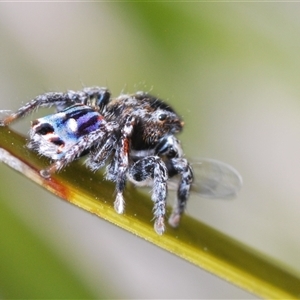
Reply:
x=215, y=179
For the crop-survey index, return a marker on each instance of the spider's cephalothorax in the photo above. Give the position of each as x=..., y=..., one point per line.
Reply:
x=134, y=134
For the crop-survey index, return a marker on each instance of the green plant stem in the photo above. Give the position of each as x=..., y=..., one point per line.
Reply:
x=193, y=241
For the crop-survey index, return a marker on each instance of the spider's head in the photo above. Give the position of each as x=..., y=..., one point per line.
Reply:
x=156, y=119
x=166, y=122
x=160, y=123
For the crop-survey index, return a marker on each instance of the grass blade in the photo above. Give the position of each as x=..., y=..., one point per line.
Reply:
x=193, y=241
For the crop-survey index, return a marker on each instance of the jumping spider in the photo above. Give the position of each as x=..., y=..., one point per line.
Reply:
x=134, y=133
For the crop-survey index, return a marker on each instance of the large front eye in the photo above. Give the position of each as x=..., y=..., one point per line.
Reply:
x=162, y=117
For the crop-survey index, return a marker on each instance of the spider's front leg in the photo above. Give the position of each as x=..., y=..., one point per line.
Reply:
x=61, y=100
x=153, y=168
x=170, y=148
x=181, y=167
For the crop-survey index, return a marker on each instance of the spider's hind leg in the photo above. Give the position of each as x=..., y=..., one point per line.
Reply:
x=94, y=97
x=44, y=100
x=86, y=142
x=100, y=154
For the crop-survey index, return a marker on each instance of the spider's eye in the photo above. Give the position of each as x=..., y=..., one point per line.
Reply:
x=162, y=117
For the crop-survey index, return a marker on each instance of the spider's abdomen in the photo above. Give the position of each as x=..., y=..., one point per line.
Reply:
x=55, y=134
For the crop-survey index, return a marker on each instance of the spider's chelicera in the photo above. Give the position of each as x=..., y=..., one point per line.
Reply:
x=134, y=135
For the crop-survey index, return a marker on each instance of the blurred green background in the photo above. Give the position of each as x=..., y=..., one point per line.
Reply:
x=230, y=69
